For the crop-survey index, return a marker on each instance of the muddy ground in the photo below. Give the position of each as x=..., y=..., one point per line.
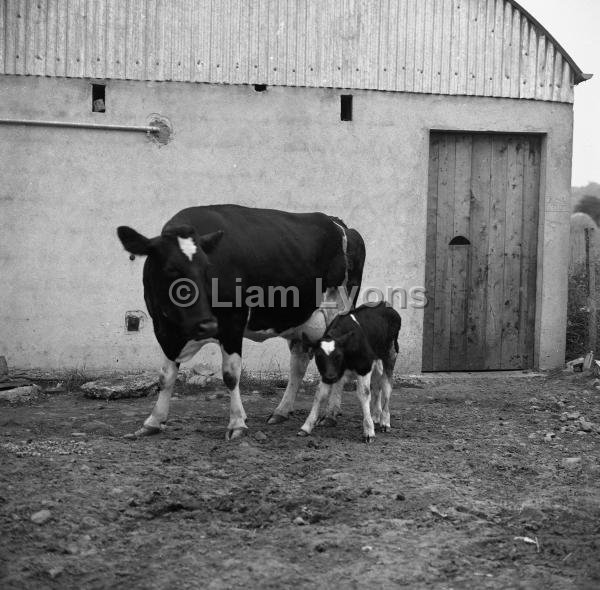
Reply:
x=467, y=491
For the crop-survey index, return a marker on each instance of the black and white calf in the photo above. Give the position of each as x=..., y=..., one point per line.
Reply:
x=362, y=343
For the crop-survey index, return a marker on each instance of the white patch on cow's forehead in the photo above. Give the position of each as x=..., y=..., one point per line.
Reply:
x=328, y=347
x=187, y=246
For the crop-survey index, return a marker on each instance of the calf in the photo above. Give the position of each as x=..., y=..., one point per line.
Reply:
x=361, y=343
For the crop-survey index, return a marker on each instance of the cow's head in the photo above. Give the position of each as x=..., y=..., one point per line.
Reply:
x=176, y=276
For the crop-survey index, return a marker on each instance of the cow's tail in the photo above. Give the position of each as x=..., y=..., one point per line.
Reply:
x=343, y=229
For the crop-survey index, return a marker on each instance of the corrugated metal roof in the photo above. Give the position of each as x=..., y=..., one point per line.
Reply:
x=457, y=47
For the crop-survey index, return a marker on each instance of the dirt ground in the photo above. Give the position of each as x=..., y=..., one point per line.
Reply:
x=467, y=491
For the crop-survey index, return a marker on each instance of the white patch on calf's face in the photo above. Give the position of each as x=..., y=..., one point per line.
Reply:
x=328, y=347
x=187, y=246
x=354, y=318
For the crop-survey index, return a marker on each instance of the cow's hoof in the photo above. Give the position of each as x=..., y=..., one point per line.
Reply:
x=327, y=421
x=377, y=426
x=144, y=431
x=276, y=419
x=234, y=433
x=368, y=438
x=385, y=428
x=302, y=433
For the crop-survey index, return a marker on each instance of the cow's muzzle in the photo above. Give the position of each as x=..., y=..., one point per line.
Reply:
x=206, y=329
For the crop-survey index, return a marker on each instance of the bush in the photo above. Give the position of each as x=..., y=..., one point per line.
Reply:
x=577, y=314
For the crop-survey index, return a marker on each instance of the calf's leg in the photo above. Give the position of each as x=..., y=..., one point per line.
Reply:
x=334, y=405
x=376, y=410
x=363, y=392
x=386, y=390
x=323, y=391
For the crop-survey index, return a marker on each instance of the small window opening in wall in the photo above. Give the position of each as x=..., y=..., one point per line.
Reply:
x=133, y=323
x=459, y=241
x=98, y=98
x=260, y=87
x=346, y=107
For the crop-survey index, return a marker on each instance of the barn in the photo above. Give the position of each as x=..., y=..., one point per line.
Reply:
x=440, y=129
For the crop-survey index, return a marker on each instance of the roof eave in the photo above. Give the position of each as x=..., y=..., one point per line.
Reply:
x=579, y=76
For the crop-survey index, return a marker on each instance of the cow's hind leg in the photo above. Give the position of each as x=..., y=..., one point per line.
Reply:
x=323, y=391
x=363, y=392
x=157, y=419
x=299, y=360
x=232, y=368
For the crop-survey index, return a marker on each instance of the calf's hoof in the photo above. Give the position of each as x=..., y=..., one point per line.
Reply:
x=302, y=433
x=235, y=433
x=145, y=431
x=327, y=421
x=276, y=419
x=367, y=438
x=385, y=428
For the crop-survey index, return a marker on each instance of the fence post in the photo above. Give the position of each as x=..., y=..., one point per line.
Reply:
x=590, y=269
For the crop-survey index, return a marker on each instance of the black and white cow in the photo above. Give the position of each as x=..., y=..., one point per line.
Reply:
x=363, y=344
x=223, y=272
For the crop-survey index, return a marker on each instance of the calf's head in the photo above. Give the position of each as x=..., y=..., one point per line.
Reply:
x=176, y=282
x=331, y=356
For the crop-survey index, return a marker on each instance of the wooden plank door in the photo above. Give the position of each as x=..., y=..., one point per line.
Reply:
x=481, y=254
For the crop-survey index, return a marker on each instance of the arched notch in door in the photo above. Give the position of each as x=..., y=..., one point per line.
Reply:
x=459, y=241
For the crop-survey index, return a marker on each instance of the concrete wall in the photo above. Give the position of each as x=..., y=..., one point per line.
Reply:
x=66, y=281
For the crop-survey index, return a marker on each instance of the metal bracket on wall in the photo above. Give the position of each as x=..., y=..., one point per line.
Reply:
x=101, y=126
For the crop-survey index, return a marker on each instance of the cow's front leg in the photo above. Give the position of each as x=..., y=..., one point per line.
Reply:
x=363, y=392
x=232, y=368
x=299, y=360
x=158, y=417
x=323, y=391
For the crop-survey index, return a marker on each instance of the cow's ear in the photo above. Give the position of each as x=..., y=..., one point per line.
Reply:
x=208, y=242
x=133, y=241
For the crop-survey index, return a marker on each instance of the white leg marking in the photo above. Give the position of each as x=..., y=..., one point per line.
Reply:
x=298, y=362
x=363, y=392
x=232, y=366
x=322, y=392
x=160, y=412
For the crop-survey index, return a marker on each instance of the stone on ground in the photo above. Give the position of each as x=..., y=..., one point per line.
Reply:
x=121, y=387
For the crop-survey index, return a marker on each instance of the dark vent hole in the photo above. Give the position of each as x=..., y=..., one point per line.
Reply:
x=459, y=241
x=133, y=323
x=346, y=107
x=98, y=98
x=260, y=87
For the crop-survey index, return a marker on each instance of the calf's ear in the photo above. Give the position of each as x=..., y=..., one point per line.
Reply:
x=306, y=342
x=208, y=242
x=133, y=241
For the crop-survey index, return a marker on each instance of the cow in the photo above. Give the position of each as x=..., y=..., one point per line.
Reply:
x=204, y=276
x=361, y=343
